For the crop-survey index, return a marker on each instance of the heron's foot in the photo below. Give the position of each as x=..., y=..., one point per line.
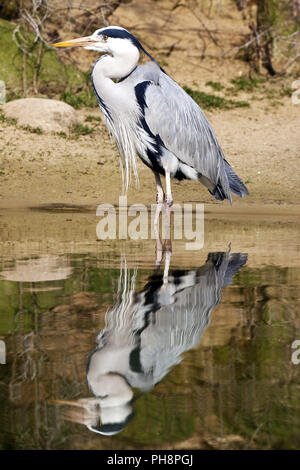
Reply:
x=169, y=200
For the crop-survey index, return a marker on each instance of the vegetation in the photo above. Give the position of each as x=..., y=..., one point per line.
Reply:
x=9, y=9
x=209, y=102
x=273, y=44
x=79, y=99
x=247, y=83
x=217, y=86
x=54, y=76
x=33, y=130
x=13, y=122
x=81, y=129
x=75, y=131
x=93, y=118
x=7, y=120
x=29, y=65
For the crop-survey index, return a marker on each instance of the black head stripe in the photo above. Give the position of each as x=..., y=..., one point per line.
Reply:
x=120, y=33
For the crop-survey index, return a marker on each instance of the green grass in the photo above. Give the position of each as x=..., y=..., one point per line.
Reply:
x=244, y=83
x=93, y=118
x=33, y=130
x=55, y=77
x=79, y=99
x=261, y=88
x=7, y=120
x=209, y=102
x=62, y=134
x=286, y=91
x=75, y=131
x=12, y=95
x=81, y=129
x=217, y=86
x=14, y=122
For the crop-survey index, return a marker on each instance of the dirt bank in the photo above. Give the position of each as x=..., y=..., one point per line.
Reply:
x=262, y=144
x=262, y=141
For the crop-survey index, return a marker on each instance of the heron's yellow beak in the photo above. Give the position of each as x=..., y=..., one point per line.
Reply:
x=76, y=42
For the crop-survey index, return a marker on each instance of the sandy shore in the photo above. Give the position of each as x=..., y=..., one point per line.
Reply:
x=261, y=143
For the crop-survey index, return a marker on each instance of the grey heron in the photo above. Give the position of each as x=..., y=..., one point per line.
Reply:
x=151, y=116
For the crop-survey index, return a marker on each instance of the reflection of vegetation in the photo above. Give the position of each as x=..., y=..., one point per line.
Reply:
x=264, y=390
x=14, y=294
x=17, y=306
x=265, y=276
x=156, y=422
x=221, y=354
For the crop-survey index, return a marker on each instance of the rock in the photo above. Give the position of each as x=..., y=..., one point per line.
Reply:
x=48, y=115
x=45, y=268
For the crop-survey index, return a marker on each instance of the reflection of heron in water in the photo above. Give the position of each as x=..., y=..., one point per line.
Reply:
x=147, y=332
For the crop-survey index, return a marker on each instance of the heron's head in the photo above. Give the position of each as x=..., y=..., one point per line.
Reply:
x=111, y=40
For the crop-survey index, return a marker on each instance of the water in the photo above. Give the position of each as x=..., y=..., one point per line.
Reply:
x=194, y=356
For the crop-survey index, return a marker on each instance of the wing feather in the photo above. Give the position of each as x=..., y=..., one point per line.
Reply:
x=182, y=126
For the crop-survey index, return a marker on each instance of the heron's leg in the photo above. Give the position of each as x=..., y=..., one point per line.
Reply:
x=169, y=197
x=167, y=267
x=158, y=249
x=168, y=228
x=159, y=189
x=159, y=198
x=169, y=202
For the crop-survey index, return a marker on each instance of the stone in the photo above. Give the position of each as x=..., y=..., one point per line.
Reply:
x=48, y=115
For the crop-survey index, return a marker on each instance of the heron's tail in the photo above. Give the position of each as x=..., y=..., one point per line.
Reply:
x=233, y=183
x=236, y=186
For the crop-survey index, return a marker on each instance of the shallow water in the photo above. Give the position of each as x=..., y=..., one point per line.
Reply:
x=194, y=356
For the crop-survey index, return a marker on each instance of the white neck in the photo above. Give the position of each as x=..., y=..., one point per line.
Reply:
x=119, y=64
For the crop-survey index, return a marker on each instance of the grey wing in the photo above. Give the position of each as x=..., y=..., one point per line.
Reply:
x=183, y=128
x=182, y=318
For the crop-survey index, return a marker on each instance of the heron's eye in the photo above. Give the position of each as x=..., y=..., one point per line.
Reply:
x=105, y=37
